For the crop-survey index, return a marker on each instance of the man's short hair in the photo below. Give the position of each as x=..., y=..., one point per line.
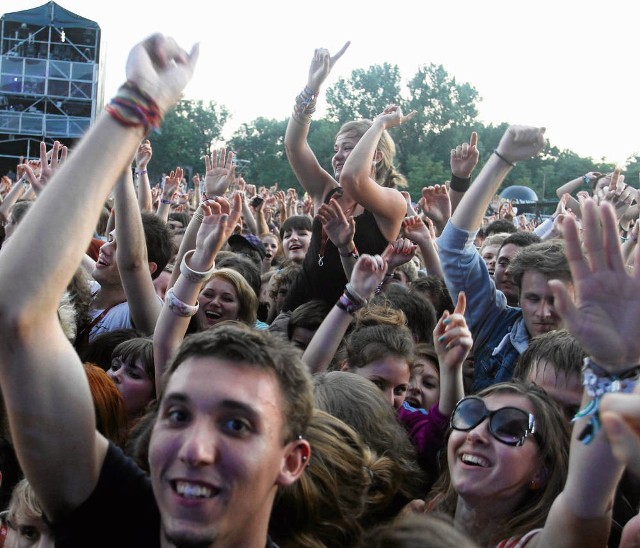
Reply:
x=546, y=257
x=158, y=237
x=499, y=225
x=521, y=239
x=559, y=348
x=308, y=315
x=236, y=342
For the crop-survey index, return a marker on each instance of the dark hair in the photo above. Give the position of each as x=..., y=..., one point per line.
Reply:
x=435, y=289
x=297, y=222
x=419, y=311
x=138, y=348
x=160, y=247
x=521, y=239
x=181, y=217
x=547, y=258
x=308, y=316
x=499, y=225
x=100, y=349
x=236, y=342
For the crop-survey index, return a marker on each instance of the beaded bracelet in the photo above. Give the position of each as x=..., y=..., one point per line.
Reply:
x=194, y=275
x=597, y=382
x=132, y=107
x=141, y=172
x=164, y=201
x=178, y=307
x=346, y=304
x=495, y=151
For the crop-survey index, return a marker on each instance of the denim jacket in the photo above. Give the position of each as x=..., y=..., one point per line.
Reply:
x=498, y=330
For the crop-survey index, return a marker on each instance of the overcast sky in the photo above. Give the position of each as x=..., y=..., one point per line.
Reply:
x=569, y=66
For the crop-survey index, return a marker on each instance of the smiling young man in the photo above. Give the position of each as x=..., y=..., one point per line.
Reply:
x=234, y=405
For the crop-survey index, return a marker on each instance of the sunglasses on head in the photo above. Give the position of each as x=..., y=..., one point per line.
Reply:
x=509, y=425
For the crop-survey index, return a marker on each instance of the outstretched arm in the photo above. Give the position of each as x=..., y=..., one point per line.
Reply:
x=131, y=254
x=313, y=178
x=46, y=392
x=604, y=317
x=143, y=156
x=218, y=221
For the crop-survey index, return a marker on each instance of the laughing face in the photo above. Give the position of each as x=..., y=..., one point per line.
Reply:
x=218, y=302
x=295, y=243
x=486, y=471
x=217, y=454
x=106, y=270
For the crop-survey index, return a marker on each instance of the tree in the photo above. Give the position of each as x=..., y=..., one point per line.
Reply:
x=186, y=135
x=365, y=94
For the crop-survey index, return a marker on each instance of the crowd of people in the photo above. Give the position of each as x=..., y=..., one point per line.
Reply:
x=243, y=366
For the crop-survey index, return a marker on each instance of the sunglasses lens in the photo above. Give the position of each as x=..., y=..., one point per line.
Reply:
x=469, y=413
x=510, y=425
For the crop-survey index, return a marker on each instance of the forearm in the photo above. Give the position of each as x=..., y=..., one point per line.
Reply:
x=249, y=219
x=573, y=185
x=431, y=259
x=188, y=243
x=471, y=209
x=451, y=389
x=326, y=340
x=263, y=227
x=145, y=201
x=356, y=171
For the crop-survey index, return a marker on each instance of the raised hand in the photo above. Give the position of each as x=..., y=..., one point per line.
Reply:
x=464, y=158
x=50, y=162
x=392, y=116
x=605, y=314
x=402, y=251
x=143, y=155
x=436, y=205
x=321, y=66
x=219, y=221
x=407, y=198
x=220, y=172
x=417, y=231
x=451, y=336
x=521, y=143
x=171, y=183
x=161, y=69
x=339, y=229
x=368, y=273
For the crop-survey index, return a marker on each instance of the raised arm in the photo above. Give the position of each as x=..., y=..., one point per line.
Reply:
x=181, y=300
x=131, y=254
x=46, y=392
x=518, y=143
x=143, y=156
x=605, y=318
x=422, y=233
x=453, y=341
x=464, y=159
x=387, y=204
x=313, y=178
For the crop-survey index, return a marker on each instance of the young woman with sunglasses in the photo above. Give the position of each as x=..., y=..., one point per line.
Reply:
x=504, y=485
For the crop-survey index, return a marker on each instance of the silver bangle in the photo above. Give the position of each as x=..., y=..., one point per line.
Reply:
x=178, y=307
x=194, y=275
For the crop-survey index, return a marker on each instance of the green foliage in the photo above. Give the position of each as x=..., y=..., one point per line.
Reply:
x=186, y=135
x=365, y=94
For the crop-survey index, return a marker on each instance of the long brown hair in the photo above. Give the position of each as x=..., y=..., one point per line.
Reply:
x=554, y=452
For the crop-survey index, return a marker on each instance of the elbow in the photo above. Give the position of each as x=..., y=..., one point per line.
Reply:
x=350, y=181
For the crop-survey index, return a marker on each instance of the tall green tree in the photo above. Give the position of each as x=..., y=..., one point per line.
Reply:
x=186, y=135
x=365, y=94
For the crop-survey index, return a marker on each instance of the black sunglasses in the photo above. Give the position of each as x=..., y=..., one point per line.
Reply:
x=509, y=425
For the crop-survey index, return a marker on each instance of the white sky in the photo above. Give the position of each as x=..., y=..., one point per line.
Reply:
x=567, y=65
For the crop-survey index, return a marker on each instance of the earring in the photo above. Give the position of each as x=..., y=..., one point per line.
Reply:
x=534, y=485
x=305, y=458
